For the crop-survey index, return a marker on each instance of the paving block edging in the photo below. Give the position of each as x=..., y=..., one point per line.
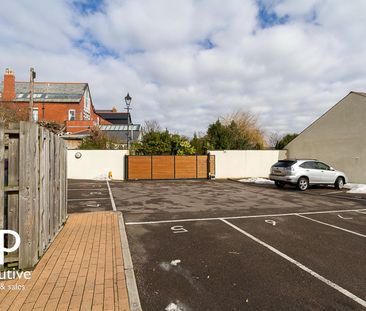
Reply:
x=133, y=295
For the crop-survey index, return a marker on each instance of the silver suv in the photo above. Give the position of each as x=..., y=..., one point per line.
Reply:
x=306, y=172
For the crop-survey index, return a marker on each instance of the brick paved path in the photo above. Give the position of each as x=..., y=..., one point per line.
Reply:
x=82, y=270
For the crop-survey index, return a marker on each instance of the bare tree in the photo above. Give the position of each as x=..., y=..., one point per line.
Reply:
x=151, y=126
x=9, y=112
x=248, y=126
x=273, y=139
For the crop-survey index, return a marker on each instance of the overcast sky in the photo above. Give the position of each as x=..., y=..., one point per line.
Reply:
x=187, y=62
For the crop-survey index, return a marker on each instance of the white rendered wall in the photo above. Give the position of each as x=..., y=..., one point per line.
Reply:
x=337, y=138
x=95, y=164
x=246, y=163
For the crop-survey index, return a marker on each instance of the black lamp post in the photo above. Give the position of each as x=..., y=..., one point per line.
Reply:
x=128, y=100
x=31, y=93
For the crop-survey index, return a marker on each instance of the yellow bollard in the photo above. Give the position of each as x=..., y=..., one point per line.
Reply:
x=110, y=175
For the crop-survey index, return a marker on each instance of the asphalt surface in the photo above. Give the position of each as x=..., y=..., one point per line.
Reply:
x=184, y=253
x=88, y=196
x=166, y=200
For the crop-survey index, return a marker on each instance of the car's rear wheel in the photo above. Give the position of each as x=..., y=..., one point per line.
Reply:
x=339, y=183
x=303, y=183
x=279, y=184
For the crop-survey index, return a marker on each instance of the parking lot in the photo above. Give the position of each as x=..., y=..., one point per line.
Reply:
x=224, y=245
x=88, y=196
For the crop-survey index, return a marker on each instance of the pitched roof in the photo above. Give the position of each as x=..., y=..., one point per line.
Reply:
x=359, y=93
x=114, y=117
x=120, y=127
x=324, y=114
x=116, y=131
x=120, y=131
x=104, y=111
x=50, y=91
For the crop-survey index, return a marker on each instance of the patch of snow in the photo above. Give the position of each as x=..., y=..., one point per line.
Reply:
x=101, y=177
x=257, y=180
x=165, y=266
x=173, y=307
x=355, y=188
x=97, y=192
x=175, y=262
x=92, y=205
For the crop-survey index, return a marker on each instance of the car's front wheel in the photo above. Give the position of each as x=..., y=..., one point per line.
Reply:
x=339, y=183
x=279, y=184
x=303, y=183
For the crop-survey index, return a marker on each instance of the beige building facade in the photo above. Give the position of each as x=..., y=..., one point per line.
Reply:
x=338, y=138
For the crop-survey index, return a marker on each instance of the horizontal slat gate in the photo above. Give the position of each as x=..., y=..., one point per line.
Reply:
x=185, y=167
x=163, y=167
x=170, y=167
x=139, y=167
x=202, y=166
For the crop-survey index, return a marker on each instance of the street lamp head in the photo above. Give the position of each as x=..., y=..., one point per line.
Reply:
x=33, y=73
x=128, y=99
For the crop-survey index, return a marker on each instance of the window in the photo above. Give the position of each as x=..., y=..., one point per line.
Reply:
x=284, y=163
x=322, y=166
x=35, y=114
x=72, y=114
x=309, y=165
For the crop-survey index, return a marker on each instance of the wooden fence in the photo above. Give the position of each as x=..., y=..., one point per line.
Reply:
x=33, y=186
x=170, y=167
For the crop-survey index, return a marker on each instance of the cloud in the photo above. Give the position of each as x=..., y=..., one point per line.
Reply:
x=188, y=62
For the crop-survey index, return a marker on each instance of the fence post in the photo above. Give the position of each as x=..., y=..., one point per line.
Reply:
x=44, y=190
x=13, y=181
x=126, y=166
x=212, y=166
x=2, y=177
x=56, y=186
x=51, y=183
x=62, y=183
x=28, y=195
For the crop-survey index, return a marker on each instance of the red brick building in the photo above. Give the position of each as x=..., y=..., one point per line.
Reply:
x=64, y=103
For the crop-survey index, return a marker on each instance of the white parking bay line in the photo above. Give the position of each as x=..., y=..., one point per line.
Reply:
x=90, y=199
x=239, y=217
x=300, y=265
x=333, y=226
x=90, y=189
x=111, y=196
x=332, y=192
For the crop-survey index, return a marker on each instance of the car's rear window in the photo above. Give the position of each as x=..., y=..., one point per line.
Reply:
x=284, y=163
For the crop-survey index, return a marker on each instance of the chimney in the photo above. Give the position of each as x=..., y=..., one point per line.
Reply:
x=8, y=86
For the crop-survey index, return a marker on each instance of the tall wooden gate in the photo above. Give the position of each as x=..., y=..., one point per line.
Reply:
x=170, y=167
x=33, y=186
